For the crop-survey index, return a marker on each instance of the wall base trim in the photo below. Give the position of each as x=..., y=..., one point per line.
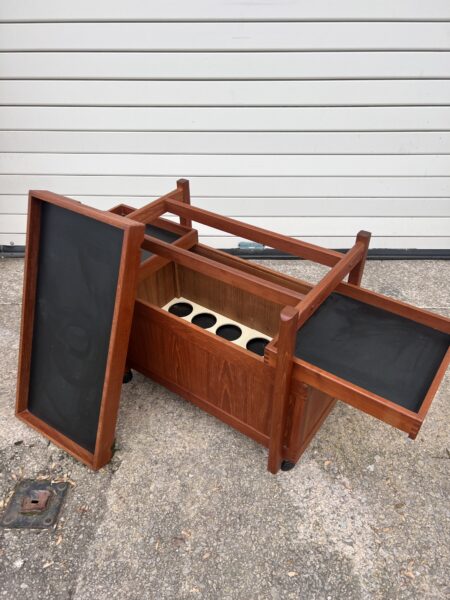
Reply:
x=269, y=254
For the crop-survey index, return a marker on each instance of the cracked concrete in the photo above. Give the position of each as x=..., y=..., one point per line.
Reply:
x=186, y=509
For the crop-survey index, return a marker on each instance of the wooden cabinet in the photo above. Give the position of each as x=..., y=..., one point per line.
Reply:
x=264, y=352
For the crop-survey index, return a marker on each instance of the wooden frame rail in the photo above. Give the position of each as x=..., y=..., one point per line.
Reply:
x=250, y=232
x=323, y=289
x=155, y=209
x=244, y=281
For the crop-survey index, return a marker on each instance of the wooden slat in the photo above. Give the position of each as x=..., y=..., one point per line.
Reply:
x=320, y=292
x=226, y=93
x=225, y=273
x=234, y=65
x=226, y=36
x=262, y=236
x=242, y=207
x=143, y=142
x=28, y=10
x=231, y=165
x=299, y=226
x=258, y=187
x=381, y=118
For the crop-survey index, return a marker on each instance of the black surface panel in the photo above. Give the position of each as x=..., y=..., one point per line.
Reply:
x=379, y=351
x=79, y=260
x=162, y=234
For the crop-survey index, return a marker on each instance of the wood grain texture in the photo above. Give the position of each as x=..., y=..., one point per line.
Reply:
x=356, y=273
x=282, y=386
x=256, y=234
x=253, y=310
x=294, y=416
x=158, y=287
x=228, y=274
x=307, y=411
x=229, y=380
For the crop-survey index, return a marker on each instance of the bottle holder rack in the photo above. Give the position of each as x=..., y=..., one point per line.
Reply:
x=214, y=322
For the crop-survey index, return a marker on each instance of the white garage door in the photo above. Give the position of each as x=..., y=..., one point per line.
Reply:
x=315, y=119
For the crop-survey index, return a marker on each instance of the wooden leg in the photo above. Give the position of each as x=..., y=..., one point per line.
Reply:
x=356, y=273
x=282, y=385
x=183, y=186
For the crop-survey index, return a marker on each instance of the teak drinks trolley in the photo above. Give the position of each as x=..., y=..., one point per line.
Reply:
x=315, y=343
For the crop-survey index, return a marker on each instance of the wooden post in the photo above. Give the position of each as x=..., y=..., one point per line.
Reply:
x=282, y=385
x=183, y=187
x=356, y=273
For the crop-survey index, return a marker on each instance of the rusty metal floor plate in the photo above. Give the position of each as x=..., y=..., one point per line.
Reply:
x=34, y=505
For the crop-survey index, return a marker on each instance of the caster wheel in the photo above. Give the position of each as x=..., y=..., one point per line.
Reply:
x=287, y=465
x=127, y=376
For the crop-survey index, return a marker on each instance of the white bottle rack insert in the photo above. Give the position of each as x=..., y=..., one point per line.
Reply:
x=221, y=326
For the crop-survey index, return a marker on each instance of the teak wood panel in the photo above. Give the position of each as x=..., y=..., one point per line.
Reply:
x=248, y=266
x=246, y=308
x=228, y=274
x=308, y=408
x=158, y=287
x=362, y=399
x=186, y=241
x=120, y=328
x=221, y=377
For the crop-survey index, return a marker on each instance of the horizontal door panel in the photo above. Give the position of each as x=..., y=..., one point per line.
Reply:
x=144, y=142
x=232, y=65
x=258, y=187
x=236, y=35
x=381, y=118
x=225, y=93
x=198, y=10
x=229, y=166
x=258, y=207
x=310, y=226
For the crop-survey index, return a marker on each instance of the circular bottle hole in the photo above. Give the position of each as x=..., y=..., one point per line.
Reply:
x=229, y=332
x=204, y=320
x=181, y=309
x=257, y=345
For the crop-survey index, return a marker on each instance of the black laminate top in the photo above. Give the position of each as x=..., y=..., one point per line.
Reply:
x=379, y=351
